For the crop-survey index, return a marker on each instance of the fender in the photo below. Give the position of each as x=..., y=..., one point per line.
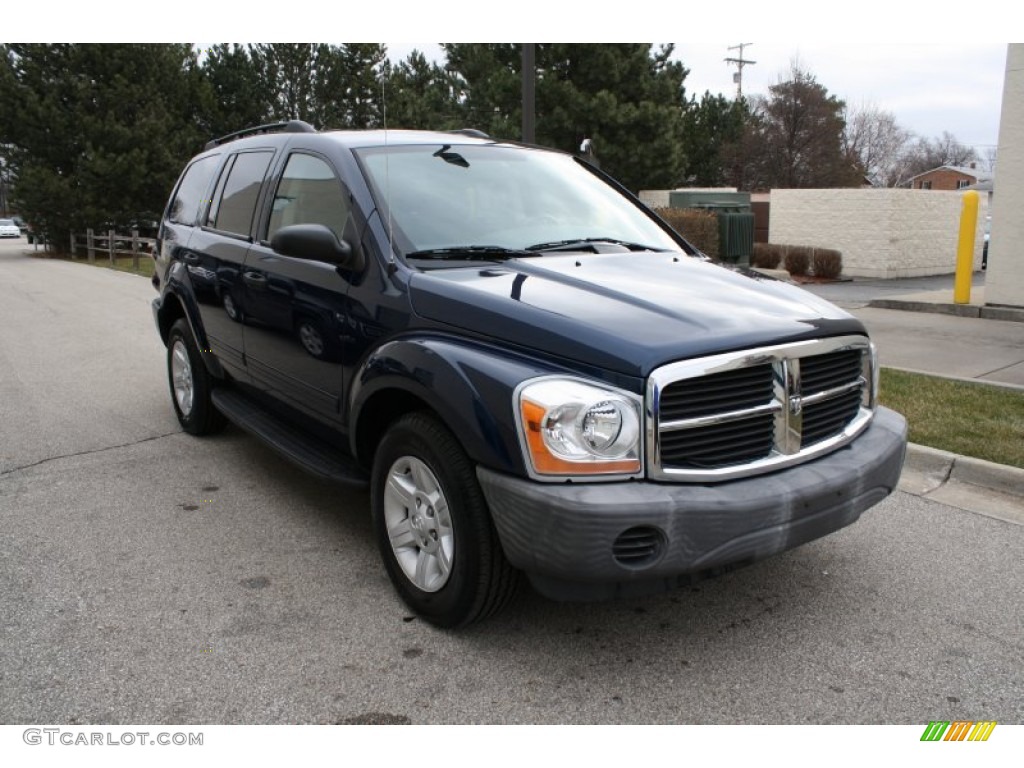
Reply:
x=468, y=384
x=178, y=285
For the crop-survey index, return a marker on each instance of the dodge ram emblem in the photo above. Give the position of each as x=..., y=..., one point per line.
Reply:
x=796, y=405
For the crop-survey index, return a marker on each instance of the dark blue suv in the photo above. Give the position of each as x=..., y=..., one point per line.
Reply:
x=533, y=373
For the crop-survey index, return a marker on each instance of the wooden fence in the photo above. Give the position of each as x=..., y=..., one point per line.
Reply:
x=113, y=245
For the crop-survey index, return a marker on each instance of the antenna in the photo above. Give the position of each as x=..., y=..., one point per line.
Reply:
x=740, y=63
x=387, y=175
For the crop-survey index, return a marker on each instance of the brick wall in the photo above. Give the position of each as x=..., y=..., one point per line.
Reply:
x=943, y=179
x=881, y=233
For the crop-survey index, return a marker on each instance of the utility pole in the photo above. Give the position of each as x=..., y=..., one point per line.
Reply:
x=529, y=92
x=740, y=63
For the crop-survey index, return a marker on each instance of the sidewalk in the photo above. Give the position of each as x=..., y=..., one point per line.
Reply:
x=941, y=302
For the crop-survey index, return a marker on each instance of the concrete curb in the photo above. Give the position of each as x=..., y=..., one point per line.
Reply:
x=990, y=489
x=942, y=308
x=962, y=379
x=778, y=274
x=965, y=469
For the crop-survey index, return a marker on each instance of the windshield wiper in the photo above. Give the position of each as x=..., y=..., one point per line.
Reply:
x=576, y=243
x=471, y=252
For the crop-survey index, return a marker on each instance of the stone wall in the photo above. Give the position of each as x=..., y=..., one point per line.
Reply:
x=881, y=233
x=659, y=198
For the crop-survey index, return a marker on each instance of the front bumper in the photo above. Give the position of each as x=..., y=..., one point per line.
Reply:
x=568, y=538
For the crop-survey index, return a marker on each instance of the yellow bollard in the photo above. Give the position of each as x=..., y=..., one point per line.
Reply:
x=965, y=249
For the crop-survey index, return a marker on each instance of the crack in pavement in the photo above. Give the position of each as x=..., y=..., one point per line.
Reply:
x=1002, y=368
x=86, y=453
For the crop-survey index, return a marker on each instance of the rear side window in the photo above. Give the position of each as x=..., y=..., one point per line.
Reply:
x=238, y=191
x=184, y=207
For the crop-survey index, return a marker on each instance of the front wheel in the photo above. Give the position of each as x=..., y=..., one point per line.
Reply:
x=433, y=527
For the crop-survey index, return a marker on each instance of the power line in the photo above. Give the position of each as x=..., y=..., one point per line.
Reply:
x=740, y=63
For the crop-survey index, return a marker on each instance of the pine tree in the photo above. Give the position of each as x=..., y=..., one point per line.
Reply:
x=98, y=133
x=626, y=98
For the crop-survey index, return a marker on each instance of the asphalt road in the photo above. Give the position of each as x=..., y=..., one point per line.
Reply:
x=150, y=577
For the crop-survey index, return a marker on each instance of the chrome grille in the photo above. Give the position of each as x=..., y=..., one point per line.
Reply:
x=757, y=410
x=720, y=445
x=718, y=392
x=824, y=419
x=831, y=370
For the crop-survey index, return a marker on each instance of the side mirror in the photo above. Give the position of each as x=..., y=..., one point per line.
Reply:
x=315, y=242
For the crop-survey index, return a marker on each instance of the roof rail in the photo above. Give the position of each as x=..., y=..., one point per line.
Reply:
x=475, y=133
x=290, y=126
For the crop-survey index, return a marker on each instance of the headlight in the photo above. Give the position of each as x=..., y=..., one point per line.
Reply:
x=570, y=427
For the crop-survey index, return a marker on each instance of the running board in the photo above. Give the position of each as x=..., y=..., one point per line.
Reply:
x=313, y=455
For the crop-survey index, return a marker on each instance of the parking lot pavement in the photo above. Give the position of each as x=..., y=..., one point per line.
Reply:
x=150, y=577
x=943, y=345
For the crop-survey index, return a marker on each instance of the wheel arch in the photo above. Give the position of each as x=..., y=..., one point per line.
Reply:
x=469, y=387
x=176, y=304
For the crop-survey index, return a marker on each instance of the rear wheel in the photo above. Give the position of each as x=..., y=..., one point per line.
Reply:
x=191, y=384
x=433, y=527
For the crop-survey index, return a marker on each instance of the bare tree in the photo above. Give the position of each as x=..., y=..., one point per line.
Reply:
x=794, y=137
x=990, y=159
x=946, y=149
x=877, y=143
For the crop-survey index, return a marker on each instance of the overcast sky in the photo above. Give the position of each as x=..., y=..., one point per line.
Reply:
x=862, y=51
x=930, y=88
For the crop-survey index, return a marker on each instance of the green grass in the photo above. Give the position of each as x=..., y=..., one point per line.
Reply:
x=971, y=419
x=121, y=264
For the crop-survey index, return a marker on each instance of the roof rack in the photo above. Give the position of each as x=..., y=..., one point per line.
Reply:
x=475, y=133
x=290, y=126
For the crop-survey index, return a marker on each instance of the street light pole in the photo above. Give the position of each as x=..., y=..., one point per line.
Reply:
x=529, y=93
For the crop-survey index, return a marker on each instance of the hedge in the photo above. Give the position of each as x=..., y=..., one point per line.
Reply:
x=697, y=226
x=799, y=260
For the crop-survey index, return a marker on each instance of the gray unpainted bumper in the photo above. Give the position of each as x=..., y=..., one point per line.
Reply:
x=561, y=535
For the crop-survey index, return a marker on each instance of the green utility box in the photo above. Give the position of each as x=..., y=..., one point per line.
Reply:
x=735, y=220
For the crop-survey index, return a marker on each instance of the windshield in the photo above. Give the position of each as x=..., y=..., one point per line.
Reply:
x=449, y=197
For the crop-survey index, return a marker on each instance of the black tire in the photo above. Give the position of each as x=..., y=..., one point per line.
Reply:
x=196, y=413
x=480, y=580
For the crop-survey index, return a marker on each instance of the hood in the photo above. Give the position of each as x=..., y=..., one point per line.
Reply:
x=625, y=312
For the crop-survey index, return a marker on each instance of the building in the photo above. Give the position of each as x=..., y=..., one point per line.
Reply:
x=949, y=178
x=1004, y=283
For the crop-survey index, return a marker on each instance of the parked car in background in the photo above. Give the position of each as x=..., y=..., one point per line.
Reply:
x=984, y=248
x=22, y=225
x=9, y=229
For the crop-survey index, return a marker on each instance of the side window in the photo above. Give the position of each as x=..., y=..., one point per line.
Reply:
x=237, y=193
x=309, y=193
x=184, y=207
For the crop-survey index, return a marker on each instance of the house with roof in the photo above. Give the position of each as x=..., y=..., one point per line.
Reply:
x=949, y=177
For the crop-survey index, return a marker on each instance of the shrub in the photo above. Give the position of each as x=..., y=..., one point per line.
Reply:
x=798, y=259
x=766, y=256
x=827, y=263
x=698, y=226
